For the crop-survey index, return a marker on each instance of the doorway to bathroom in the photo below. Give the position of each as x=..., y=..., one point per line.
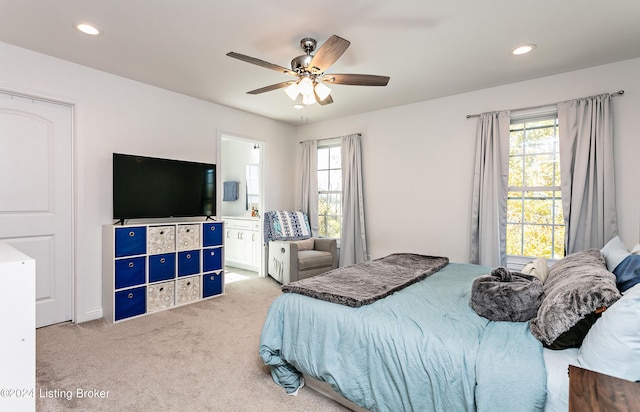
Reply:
x=241, y=174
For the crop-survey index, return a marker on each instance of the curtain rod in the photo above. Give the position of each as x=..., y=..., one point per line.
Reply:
x=618, y=93
x=329, y=138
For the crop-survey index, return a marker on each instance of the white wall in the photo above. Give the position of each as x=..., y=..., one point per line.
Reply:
x=418, y=159
x=114, y=114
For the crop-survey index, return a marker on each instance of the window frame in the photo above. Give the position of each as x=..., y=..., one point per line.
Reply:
x=323, y=218
x=531, y=116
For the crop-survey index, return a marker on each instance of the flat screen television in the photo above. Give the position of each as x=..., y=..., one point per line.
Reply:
x=149, y=187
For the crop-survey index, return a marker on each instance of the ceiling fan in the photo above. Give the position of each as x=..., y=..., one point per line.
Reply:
x=310, y=70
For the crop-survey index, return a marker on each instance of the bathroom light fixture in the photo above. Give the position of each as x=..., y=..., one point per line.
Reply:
x=525, y=48
x=87, y=28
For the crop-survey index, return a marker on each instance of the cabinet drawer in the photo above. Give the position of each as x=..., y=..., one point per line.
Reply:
x=212, y=259
x=161, y=239
x=188, y=262
x=162, y=267
x=130, y=302
x=130, y=241
x=187, y=290
x=212, y=284
x=212, y=234
x=238, y=223
x=160, y=296
x=129, y=272
x=188, y=237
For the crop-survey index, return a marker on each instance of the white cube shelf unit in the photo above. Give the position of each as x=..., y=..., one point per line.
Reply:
x=151, y=267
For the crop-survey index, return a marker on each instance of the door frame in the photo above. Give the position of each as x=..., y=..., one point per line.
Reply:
x=262, y=272
x=77, y=180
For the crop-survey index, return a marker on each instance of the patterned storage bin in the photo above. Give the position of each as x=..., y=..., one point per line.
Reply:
x=188, y=237
x=161, y=239
x=160, y=296
x=188, y=290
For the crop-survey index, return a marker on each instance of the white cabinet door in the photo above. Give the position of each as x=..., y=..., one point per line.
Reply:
x=242, y=244
x=255, y=248
x=239, y=246
x=228, y=244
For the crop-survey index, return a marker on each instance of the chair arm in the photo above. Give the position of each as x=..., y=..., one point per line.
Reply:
x=283, y=261
x=326, y=244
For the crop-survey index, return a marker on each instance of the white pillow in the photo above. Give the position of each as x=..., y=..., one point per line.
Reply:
x=636, y=250
x=614, y=252
x=537, y=268
x=612, y=345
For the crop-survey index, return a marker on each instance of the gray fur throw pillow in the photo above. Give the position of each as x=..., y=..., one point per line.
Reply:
x=506, y=296
x=578, y=287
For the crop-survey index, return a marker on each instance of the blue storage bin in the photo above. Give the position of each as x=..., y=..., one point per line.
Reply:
x=212, y=234
x=130, y=241
x=188, y=262
x=130, y=302
x=129, y=272
x=212, y=284
x=162, y=267
x=212, y=259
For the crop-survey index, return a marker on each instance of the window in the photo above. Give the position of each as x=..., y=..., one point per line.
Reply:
x=329, y=190
x=535, y=223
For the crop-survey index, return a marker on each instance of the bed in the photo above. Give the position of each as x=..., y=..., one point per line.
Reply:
x=420, y=348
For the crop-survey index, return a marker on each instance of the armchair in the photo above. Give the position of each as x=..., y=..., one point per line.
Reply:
x=294, y=260
x=292, y=254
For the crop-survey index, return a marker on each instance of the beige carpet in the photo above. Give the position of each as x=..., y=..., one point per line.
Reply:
x=200, y=357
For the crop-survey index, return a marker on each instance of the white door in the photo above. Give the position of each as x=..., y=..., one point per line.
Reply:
x=36, y=197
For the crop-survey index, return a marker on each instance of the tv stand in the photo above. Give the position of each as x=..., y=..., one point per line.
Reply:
x=153, y=267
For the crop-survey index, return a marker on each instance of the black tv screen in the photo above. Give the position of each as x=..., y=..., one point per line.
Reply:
x=148, y=187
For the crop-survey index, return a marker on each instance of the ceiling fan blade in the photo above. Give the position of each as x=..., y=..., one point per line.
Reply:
x=261, y=63
x=328, y=53
x=272, y=87
x=356, y=79
x=327, y=100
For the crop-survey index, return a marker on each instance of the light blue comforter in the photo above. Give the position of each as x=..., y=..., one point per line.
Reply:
x=421, y=349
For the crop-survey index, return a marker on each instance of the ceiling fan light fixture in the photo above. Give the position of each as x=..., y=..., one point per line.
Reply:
x=305, y=87
x=322, y=90
x=309, y=71
x=292, y=91
x=298, y=106
x=308, y=99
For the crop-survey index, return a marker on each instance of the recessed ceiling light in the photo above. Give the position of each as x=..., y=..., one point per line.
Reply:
x=526, y=48
x=87, y=28
x=298, y=106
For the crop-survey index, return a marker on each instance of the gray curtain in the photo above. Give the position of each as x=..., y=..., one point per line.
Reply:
x=587, y=176
x=353, y=244
x=490, y=180
x=308, y=193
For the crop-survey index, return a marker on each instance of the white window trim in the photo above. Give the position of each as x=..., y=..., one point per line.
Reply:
x=327, y=143
x=516, y=262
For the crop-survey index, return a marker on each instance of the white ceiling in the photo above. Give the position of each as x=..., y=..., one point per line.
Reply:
x=429, y=48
